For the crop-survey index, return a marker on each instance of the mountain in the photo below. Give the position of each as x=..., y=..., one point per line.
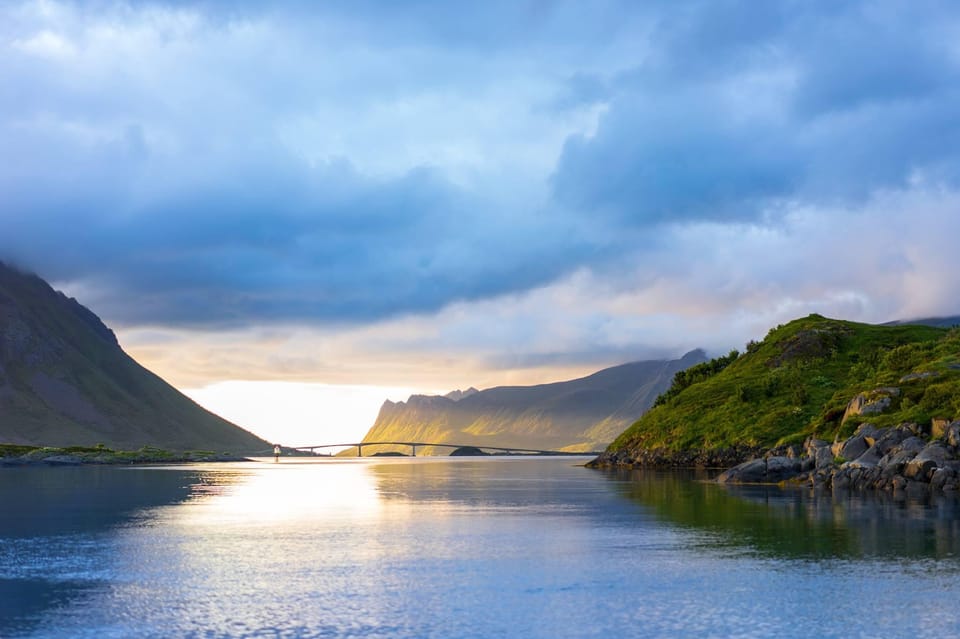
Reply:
x=811, y=377
x=578, y=415
x=65, y=381
x=457, y=395
x=940, y=322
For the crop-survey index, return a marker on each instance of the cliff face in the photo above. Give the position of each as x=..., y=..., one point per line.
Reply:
x=578, y=415
x=64, y=380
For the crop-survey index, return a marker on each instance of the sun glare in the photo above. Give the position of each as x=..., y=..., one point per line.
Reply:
x=298, y=414
x=272, y=493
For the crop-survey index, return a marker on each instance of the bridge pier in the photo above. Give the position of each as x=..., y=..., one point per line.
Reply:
x=414, y=446
x=359, y=450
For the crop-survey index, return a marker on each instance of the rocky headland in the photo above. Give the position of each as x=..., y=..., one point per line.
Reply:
x=819, y=402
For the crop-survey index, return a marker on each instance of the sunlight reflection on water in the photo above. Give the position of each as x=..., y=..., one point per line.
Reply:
x=460, y=548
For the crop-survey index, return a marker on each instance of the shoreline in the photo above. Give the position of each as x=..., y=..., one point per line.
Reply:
x=908, y=457
x=13, y=456
x=706, y=459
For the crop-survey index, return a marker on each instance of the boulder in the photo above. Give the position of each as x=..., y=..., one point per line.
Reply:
x=920, y=430
x=813, y=444
x=854, y=447
x=889, y=439
x=757, y=471
x=780, y=468
x=919, y=470
x=836, y=446
x=940, y=477
x=869, y=459
x=753, y=471
x=935, y=452
x=824, y=458
x=893, y=463
x=870, y=403
x=870, y=433
x=912, y=444
x=952, y=435
x=922, y=467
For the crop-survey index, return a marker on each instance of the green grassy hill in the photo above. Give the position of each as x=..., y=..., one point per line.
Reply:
x=799, y=381
x=65, y=381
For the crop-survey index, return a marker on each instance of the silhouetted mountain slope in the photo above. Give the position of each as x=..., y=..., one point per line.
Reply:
x=64, y=380
x=580, y=414
x=938, y=322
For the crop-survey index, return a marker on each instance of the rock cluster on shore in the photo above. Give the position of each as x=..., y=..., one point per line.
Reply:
x=663, y=458
x=905, y=457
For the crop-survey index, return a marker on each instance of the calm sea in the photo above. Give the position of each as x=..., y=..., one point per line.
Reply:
x=451, y=548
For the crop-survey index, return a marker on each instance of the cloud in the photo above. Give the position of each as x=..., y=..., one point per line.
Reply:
x=744, y=110
x=746, y=279
x=607, y=173
x=228, y=168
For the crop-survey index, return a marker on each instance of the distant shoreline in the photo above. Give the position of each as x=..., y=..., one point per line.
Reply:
x=12, y=455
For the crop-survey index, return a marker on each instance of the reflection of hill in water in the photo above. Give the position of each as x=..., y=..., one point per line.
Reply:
x=70, y=500
x=797, y=523
x=51, y=512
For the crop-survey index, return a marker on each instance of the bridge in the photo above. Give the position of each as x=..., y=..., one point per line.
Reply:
x=413, y=445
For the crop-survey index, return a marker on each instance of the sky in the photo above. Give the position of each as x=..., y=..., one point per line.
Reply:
x=318, y=206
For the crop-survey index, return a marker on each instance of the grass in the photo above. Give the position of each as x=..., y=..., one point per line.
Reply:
x=798, y=381
x=100, y=454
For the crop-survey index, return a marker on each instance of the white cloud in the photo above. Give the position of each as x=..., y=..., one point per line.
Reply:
x=46, y=44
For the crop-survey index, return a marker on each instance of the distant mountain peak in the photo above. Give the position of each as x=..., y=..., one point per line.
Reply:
x=457, y=395
x=948, y=321
x=582, y=414
x=696, y=355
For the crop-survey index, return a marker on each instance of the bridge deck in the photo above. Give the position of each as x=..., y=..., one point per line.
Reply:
x=415, y=445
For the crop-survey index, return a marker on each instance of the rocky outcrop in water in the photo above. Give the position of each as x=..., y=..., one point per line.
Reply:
x=903, y=457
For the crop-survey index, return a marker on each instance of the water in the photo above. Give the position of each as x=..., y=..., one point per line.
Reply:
x=461, y=548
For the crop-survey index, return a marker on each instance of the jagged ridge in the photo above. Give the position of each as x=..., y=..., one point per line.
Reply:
x=581, y=414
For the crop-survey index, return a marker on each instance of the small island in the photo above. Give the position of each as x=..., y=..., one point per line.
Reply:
x=468, y=451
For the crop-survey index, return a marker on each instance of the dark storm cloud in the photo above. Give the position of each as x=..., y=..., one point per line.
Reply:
x=205, y=164
x=274, y=241
x=745, y=106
